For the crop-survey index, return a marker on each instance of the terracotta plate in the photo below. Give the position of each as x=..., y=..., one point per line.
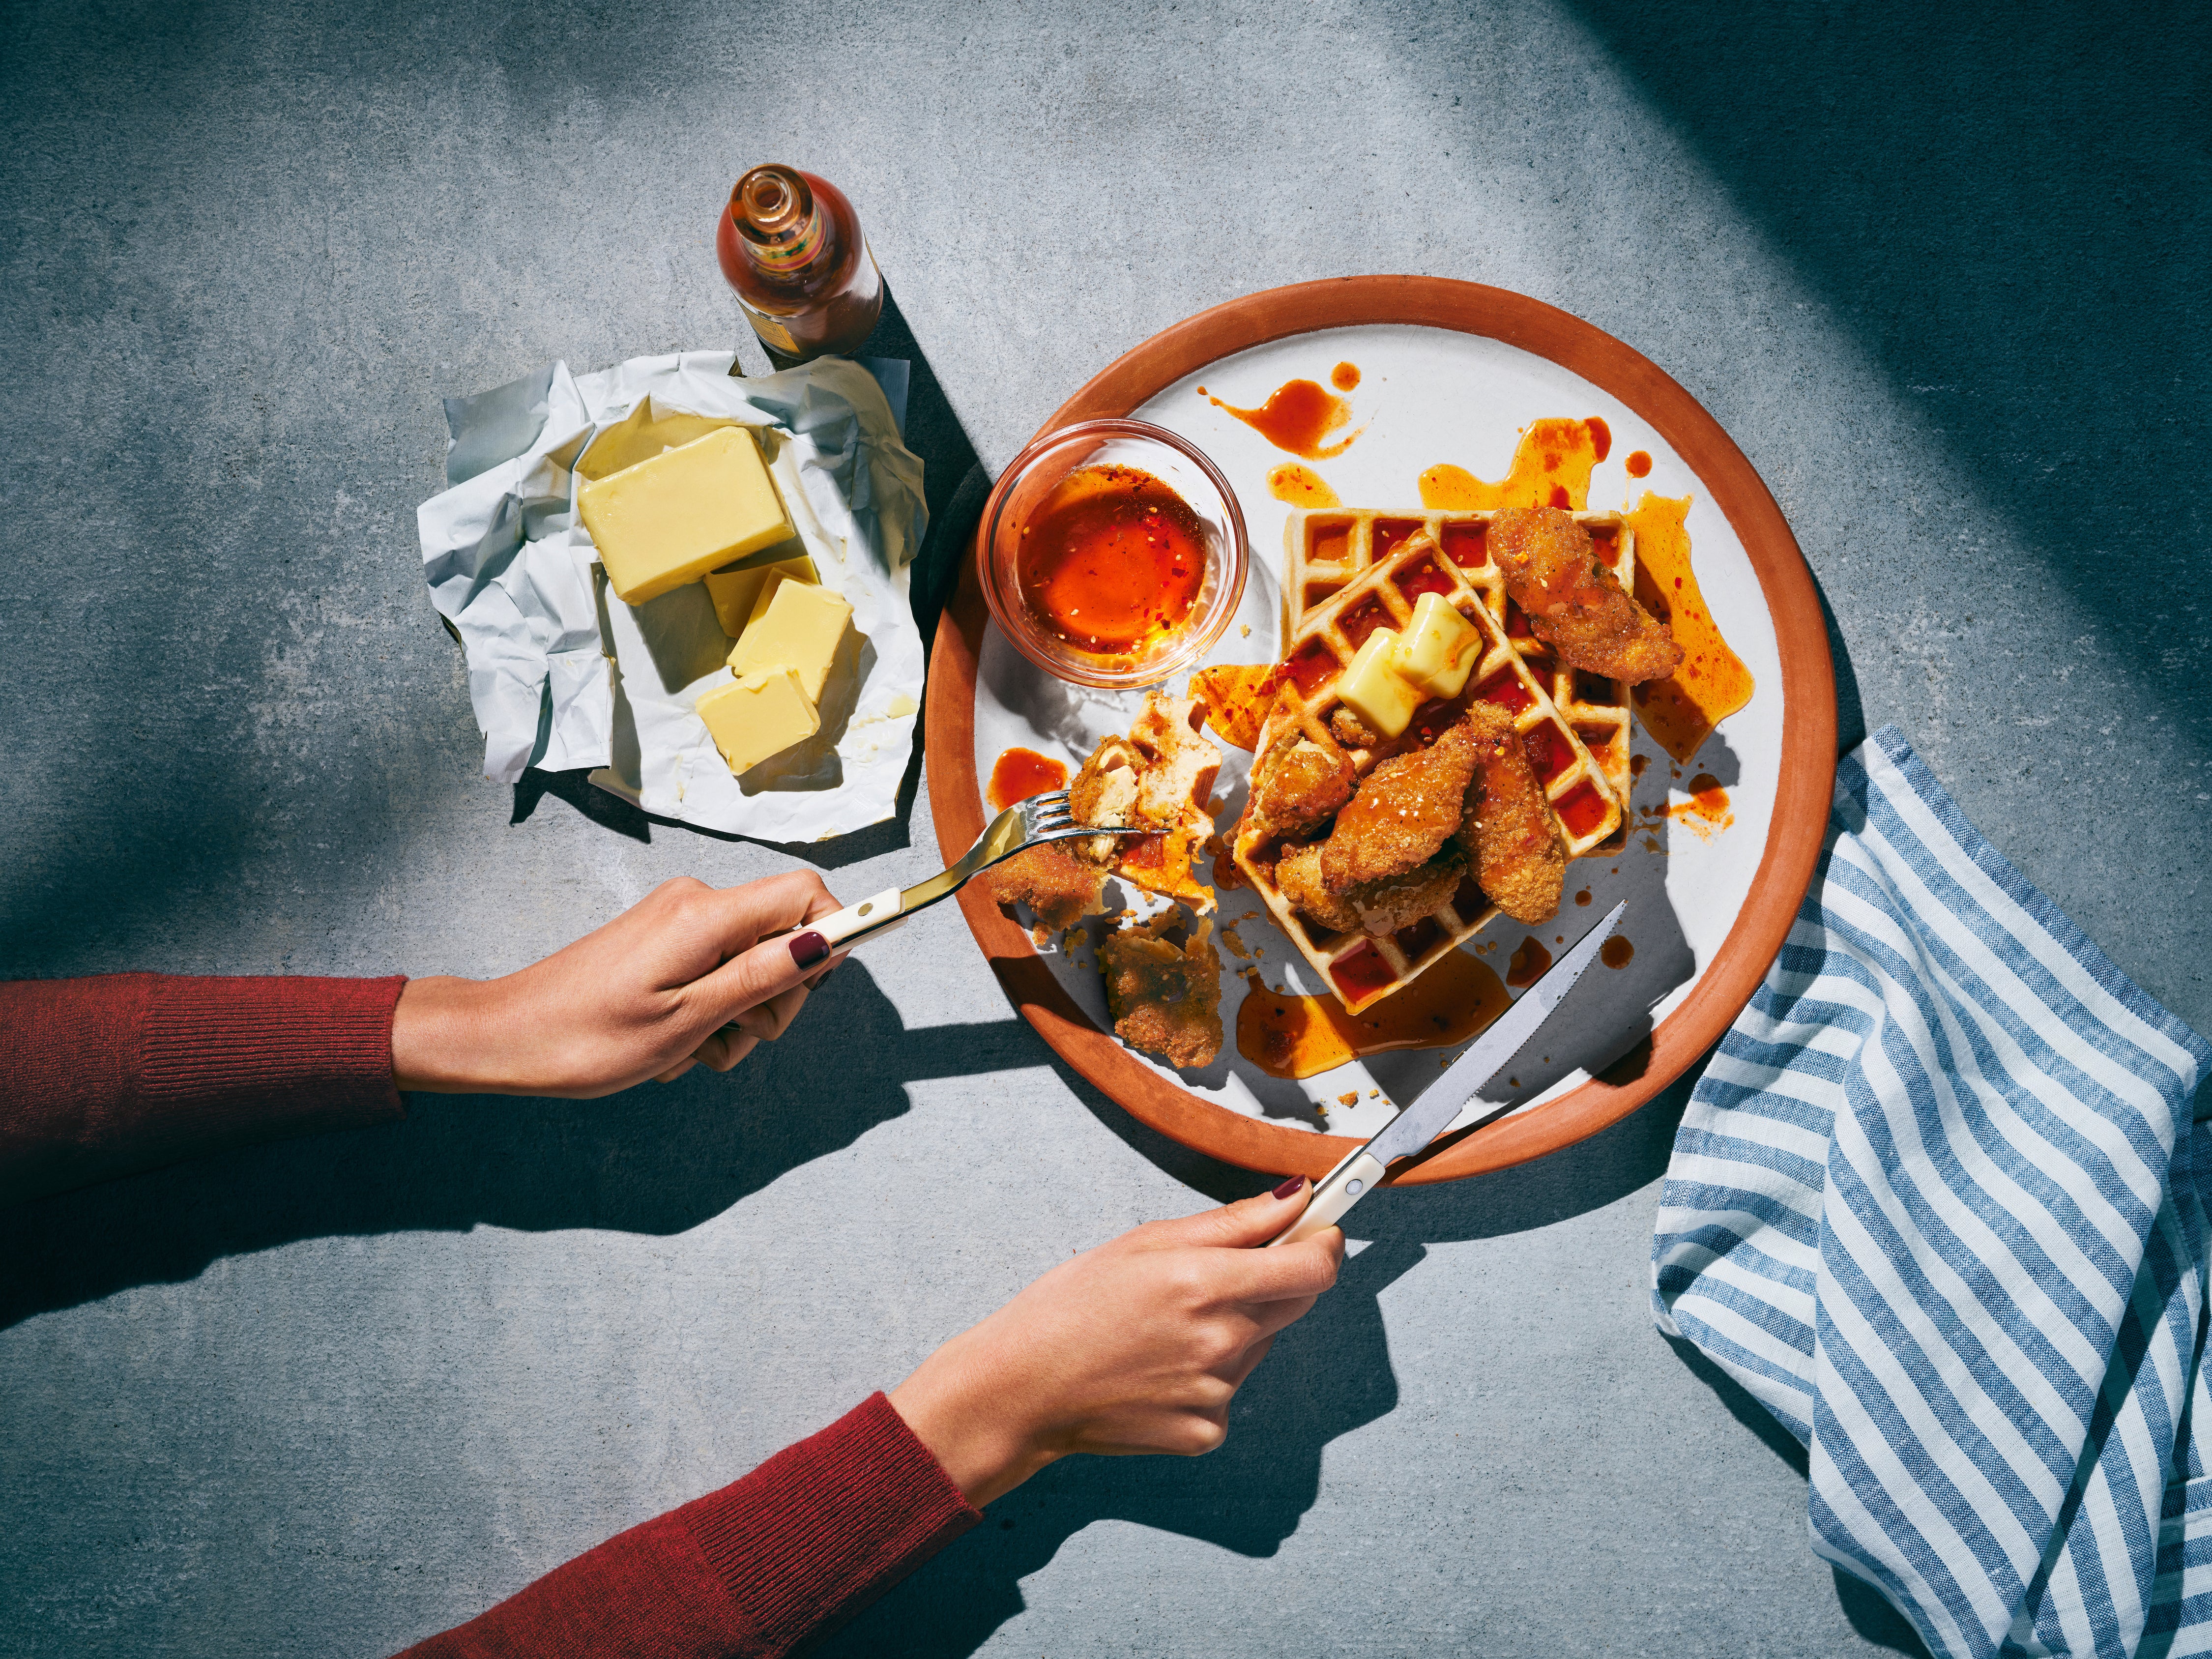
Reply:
x=1449, y=373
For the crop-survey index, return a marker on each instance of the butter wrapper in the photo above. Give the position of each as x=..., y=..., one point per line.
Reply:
x=564, y=675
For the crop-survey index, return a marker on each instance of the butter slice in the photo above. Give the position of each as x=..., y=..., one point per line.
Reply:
x=1439, y=650
x=1373, y=691
x=735, y=592
x=672, y=519
x=759, y=715
x=793, y=626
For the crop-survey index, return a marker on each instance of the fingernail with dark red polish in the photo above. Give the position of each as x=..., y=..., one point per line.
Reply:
x=1290, y=1189
x=808, y=949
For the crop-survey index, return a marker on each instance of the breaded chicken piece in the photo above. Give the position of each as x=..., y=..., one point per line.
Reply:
x=1520, y=857
x=1295, y=782
x=1061, y=887
x=1374, y=908
x=1573, y=603
x=1165, y=998
x=1404, y=811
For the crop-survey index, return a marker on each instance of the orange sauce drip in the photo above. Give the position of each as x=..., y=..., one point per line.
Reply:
x=1530, y=959
x=1706, y=812
x=1344, y=376
x=1551, y=468
x=1680, y=711
x=1639, y=464
x=1294, y=1037
x=1237, y=699
x=1112, y=559
x=1615, y=952
x=1020, y=773
x=1584, y=896
x=1299, y=416
x=1601, y=435
x=1301, y=486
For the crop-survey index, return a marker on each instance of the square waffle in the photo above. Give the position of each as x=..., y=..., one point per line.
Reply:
x=1325, y=551
x=1348, y=597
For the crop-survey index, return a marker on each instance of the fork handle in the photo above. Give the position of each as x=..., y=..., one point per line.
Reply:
x=869, y=919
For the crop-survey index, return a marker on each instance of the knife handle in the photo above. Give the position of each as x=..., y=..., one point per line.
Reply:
x=1333, y=1194
x=869, y=919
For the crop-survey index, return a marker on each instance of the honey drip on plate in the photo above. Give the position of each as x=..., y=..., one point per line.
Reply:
x=1301, y=486
x=1639, y=464
x=1288, y=1035
x=1551, y=468
x=1529, y=960
x=1615, y=952
x=1680, y=711
x=1707, y=812
x=1020, y=773
x=1299, y=416
x=1344, y=376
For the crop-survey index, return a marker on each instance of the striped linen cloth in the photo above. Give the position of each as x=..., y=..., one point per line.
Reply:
x=1938, y=1203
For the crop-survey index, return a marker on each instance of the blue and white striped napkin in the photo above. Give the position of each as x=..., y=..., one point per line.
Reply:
x=1939, y=1205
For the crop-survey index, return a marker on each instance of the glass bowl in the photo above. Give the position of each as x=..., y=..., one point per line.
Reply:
x=1032, y=481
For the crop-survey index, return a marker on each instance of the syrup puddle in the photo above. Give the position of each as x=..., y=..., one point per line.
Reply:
x=1551, y=468
x=1299, y=416
x=1289, y=1035
x=1681, y=711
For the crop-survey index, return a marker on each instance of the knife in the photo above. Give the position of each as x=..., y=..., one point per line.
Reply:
x=1440, y=1103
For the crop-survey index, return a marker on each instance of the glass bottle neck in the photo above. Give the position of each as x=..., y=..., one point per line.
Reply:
x=780, y=226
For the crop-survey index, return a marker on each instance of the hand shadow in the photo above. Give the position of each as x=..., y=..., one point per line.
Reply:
x=657, y=1159
x=1326, y=1375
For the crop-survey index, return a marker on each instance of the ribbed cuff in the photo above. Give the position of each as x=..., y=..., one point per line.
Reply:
x=825, y=1526
x=302, y=1056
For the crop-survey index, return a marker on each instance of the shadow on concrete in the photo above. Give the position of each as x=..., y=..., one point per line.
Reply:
x=2012, y=225
x=1326, y=1375
x=658, y=1159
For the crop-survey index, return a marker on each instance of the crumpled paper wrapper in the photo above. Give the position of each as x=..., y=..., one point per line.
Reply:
x=562, y=674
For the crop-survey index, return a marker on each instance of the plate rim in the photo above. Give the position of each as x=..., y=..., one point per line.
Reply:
x=1795, y=831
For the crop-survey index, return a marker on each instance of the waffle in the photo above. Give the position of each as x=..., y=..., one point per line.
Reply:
x=1343, y=598
x=1323, y=552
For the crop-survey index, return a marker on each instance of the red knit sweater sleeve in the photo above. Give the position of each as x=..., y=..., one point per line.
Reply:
x=752, y=1572
x=102, y=1077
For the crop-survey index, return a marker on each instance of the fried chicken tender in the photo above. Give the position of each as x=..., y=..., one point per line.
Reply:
x=1404, y=811
x=1520, y=857
x=1374, y=908
x=1297, y=783
x=1166, y=997
x=1573, y=603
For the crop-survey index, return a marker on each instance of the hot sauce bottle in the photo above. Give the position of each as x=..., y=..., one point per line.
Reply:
x=791, y=245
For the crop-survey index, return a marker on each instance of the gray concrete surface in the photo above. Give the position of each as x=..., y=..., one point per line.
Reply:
x=1944, y=285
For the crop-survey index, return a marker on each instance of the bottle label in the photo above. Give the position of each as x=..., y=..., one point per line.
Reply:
x=773, y=333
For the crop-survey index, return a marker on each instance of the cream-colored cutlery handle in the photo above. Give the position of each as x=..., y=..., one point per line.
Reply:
x=866, y=920
x=1333, y=1194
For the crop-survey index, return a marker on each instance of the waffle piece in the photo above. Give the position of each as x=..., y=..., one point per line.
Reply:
x=1345, y=598
x=1325, y=551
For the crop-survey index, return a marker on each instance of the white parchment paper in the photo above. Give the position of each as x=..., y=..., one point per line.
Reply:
x=562, y=674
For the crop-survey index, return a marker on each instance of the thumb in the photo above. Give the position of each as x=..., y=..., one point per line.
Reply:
x=764, y=971
x=1246, y=1223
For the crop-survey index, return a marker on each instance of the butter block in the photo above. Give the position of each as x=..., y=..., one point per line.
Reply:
x=759, y=715
x=672, y=519
x=735, y=592
x=1372, y=690
x=793, y=626
x=1439, y=650
x=641, y=437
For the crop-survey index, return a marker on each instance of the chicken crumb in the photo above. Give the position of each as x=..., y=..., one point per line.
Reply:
x=1349, y=1098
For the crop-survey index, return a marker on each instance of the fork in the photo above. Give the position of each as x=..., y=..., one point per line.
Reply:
x=1032, y=823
